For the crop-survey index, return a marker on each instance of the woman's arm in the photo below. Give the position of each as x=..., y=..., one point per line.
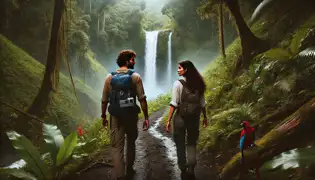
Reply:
x=204, y=112
x=169, y=119
x=170, y=114
x=173, y=104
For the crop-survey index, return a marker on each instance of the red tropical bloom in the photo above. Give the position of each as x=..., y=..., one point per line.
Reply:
x=80, y=131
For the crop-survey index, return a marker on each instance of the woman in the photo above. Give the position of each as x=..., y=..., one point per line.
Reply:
x=188, y=100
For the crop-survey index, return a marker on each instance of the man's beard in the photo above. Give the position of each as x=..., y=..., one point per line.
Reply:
x=130, y=66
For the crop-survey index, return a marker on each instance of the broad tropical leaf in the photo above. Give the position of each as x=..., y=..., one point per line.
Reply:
x=54, y=139
x=277, y=54
x=302, y=157
x=296, y=41
x=66, y=149
x=29, y=154
x=19, y=173
x=17, y=164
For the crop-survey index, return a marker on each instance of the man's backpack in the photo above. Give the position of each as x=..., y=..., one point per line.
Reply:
x=122, y=99
x=190, y=102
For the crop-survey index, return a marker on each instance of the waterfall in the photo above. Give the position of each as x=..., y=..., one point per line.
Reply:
x=150, y=63
x=169, y=65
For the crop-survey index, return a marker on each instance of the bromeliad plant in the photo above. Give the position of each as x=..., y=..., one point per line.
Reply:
x=60, y=151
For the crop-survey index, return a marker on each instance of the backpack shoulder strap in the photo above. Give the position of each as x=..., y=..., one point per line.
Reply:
x=183, y=82
x=113, y=73
x=185, y=87
x=184, y=91
x=130, y=72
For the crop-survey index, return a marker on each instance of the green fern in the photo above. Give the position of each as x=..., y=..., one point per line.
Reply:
x=296, y=41
x=278, y=54
x=300, y=35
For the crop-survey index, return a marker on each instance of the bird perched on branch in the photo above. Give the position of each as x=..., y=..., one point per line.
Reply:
x=247, y=140
x=247, y=136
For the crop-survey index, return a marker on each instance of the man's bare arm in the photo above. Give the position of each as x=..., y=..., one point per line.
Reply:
x=104, y=107
x=144, y=107
x=141, y=96
x=105, y=95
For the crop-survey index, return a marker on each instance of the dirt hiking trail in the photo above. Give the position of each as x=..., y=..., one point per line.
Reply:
x=155, y=157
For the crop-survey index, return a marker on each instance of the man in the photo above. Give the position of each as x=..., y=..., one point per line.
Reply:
x=124, y=111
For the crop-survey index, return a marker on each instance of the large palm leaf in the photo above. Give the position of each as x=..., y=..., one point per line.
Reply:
x=29, y=154
x=19, y=173
x=67, y=148
x=302, y=157
x=53, y=138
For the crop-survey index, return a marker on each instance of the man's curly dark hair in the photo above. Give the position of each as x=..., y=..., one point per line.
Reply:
x=124, y=56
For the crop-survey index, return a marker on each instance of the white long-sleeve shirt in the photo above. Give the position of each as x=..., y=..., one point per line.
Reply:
x=177, y=93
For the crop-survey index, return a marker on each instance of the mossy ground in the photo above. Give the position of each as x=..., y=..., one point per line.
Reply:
x=271, y=84
x=21, y=77
x=268, y=85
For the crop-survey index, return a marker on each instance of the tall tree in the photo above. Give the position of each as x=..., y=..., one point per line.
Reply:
x=221, y=30
x=51, y=76
x=218, y=11
x=250, y=43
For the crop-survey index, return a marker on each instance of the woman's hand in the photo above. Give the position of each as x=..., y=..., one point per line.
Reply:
x=204, y=123
x=168, y=126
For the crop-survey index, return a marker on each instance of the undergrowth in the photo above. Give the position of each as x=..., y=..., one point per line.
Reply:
x=275, y=79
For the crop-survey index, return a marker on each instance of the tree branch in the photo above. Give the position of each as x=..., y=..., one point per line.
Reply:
x=289, y=134
x=32, y=117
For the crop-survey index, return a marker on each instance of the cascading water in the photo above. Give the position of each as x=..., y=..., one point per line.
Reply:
x=169, y=65
x=150, y=64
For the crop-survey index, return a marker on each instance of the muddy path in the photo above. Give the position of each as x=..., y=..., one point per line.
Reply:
x=155, y=157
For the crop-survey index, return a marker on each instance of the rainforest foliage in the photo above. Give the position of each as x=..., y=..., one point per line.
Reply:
x=261, y=65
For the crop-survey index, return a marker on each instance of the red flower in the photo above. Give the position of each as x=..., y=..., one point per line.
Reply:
x=80, y=131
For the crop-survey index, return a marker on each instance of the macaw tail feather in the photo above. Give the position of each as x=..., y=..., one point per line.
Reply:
x=257, y=173
x=243, y=157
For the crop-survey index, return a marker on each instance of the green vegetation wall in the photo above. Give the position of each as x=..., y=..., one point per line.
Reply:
x=27, y=24
x=193, y=34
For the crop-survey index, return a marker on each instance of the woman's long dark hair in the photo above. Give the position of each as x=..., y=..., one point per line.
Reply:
x=193, y=78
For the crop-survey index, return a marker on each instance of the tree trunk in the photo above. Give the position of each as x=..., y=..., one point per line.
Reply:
x=98, y=25
x=249, y=42
x=287, y=135
x=51, y=76
x=3, y=16
x=103, y=24
x=221, y=30
x=90, y=5
x=84, y=6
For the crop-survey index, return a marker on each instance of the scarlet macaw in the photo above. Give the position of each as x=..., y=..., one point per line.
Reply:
x=247, y=136
x=247, y=140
